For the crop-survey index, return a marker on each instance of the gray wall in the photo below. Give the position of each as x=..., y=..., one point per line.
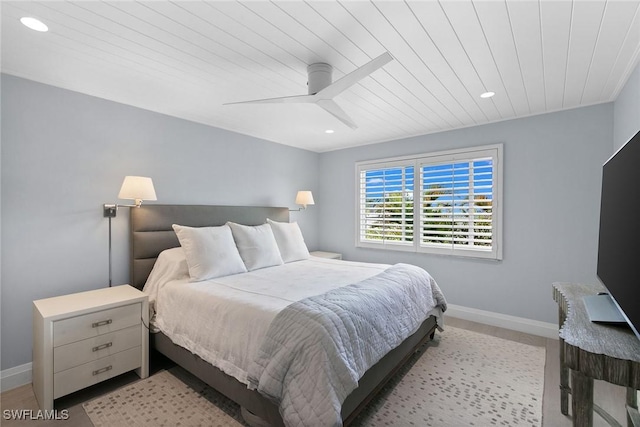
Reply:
x=552, y=166
x=64, y=154
x=626, y=111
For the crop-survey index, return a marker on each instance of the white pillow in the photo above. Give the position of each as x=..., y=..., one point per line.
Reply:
x=256, y=244
x=290, y=241
x=210, y=251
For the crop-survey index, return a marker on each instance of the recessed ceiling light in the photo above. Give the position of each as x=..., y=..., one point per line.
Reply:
x=34, y=24
x=328, y=131
x=487, y=95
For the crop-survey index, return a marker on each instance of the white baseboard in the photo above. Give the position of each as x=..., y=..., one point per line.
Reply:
x=15, y=377
x=520, y=324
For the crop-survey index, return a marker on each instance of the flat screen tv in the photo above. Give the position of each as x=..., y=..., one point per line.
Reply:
x=619, y=237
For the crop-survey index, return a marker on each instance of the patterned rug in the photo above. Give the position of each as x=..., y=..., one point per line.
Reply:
x=464, y=379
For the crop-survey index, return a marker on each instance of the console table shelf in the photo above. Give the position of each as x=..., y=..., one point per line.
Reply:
x=593, y=351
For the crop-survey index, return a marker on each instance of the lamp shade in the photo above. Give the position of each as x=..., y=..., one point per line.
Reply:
x=304, y=198
x=137, y=188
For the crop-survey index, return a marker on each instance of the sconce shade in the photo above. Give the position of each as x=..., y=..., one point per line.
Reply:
x=304, y=198
x=137, y=188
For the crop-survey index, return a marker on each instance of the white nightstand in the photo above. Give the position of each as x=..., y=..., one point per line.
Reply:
x=330, y=255
x=85, y=338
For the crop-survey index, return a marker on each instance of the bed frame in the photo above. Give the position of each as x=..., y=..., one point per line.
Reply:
x=151, y=233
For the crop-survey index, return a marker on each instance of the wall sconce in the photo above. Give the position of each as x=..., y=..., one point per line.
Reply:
x=136, y=188
x=303, y=198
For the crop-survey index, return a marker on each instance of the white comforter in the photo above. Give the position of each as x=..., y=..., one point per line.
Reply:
x=224, y=320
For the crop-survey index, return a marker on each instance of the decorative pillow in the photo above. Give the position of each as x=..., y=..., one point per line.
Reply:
x=210, y=251
x=256, y=244
x=290, y=241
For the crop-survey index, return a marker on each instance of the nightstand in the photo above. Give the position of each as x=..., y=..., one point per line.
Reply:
x=85, y=338
x=329, y=255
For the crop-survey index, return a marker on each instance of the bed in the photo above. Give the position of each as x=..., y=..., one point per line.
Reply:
x=152, y=233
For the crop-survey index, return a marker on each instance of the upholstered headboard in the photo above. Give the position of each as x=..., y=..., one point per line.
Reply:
x=151, y=230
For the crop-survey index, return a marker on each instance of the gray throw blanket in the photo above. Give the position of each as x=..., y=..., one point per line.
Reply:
x=316, y=349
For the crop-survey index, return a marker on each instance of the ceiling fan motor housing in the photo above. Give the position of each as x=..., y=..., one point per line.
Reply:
x=319, y=76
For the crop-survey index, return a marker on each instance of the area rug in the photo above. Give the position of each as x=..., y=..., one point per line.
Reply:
x=464, y=379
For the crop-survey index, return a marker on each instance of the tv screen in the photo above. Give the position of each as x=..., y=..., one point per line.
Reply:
x=619, y=237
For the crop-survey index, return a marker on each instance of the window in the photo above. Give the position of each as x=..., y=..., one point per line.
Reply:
x=444, y=203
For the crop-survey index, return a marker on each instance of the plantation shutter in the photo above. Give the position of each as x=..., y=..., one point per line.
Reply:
x=386, y=204
x=457, y=209
x=456, y=204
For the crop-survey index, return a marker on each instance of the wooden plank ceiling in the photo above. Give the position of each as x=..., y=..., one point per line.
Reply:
x=188, y=58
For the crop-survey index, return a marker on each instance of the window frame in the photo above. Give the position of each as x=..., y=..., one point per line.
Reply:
x=417, y=161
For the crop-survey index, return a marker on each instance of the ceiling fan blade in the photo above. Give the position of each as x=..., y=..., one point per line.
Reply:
x=281, y=100
x=353, y=77
x=334, y=109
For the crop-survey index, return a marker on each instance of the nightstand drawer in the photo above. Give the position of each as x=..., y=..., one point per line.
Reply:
x=80, y=352
x=93, y=324
x=82, y=376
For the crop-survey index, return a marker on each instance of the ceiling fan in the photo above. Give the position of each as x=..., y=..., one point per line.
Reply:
x=321, y=90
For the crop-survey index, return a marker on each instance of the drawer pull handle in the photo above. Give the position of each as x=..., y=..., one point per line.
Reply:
x=102, y=347
x=102, y=370
x=104, y=322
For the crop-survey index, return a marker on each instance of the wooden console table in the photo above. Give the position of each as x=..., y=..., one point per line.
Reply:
x=593, y=351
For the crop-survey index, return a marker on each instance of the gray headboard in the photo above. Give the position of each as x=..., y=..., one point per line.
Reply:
x=151, y=230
